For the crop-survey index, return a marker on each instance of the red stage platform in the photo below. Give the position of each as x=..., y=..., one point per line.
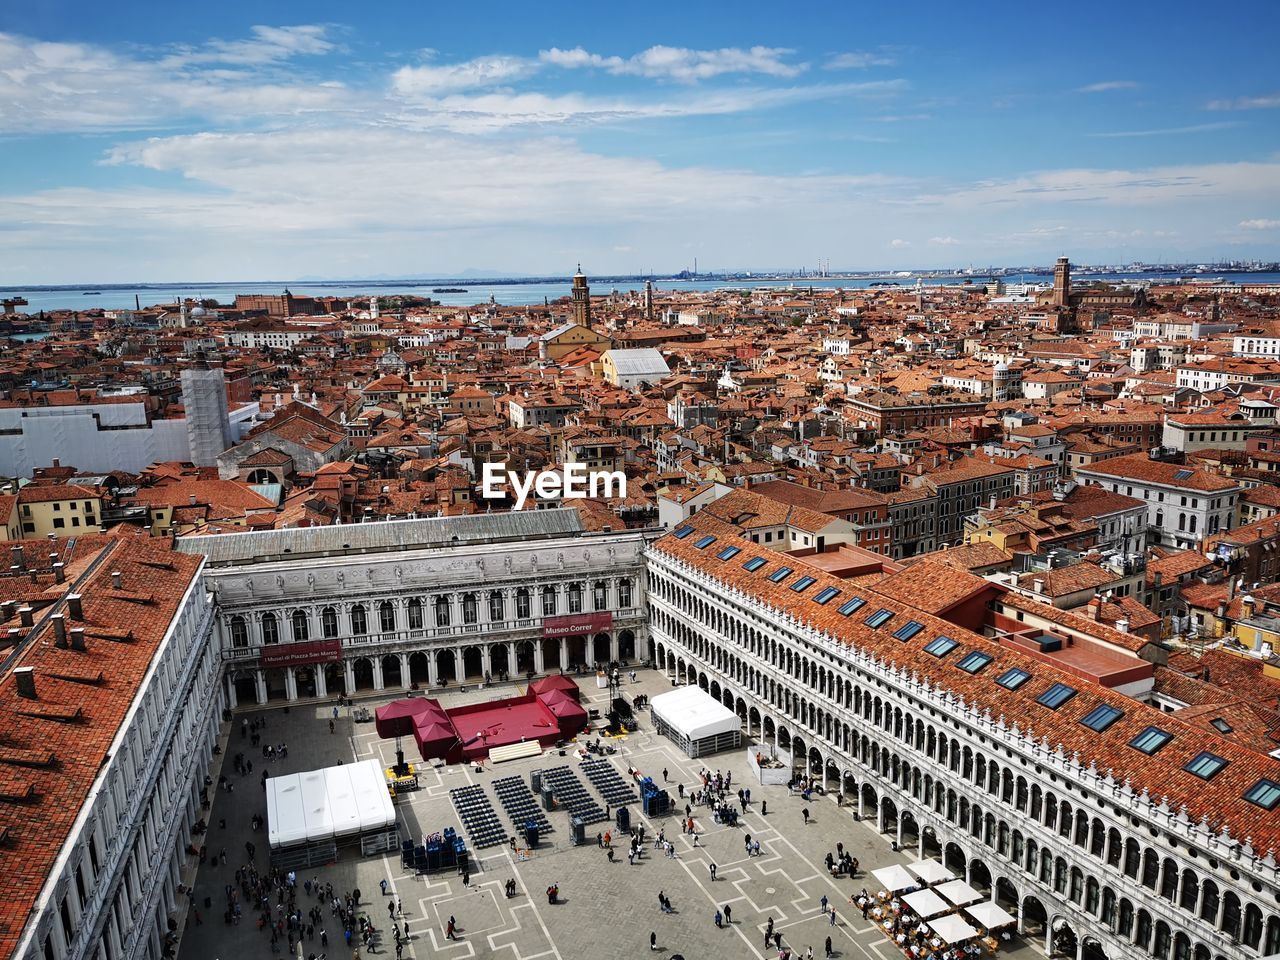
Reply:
x=547, y=713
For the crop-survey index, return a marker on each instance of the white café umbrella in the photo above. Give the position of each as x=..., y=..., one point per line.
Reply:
x=959, y=892
x=894, y=878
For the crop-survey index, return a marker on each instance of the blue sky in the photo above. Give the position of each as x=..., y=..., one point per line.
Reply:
x=269, y=141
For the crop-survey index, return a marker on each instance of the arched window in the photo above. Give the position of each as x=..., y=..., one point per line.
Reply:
x=415, y=613
x=548, y=601
x=522, y=604
x=469, y=611
x=359, y=620
x=239, y=632
x=386, y=616
x=624, y=593
x=497, y=606
x=575, y=598
x=442, y=611
x=301, y=630
x=600, y=596
x=270, y=629
x=329, y=623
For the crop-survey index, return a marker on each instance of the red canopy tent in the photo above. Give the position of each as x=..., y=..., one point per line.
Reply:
x=553, y=683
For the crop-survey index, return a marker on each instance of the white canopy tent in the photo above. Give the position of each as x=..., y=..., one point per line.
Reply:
x=696, y=721
x=930, y=871
x=959, y=892
x=989, y=915
x=952, y=929
x=894, y=878
x=324, y=805
x=927, y=903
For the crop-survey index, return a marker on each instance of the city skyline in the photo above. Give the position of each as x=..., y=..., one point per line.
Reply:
x=427, y=143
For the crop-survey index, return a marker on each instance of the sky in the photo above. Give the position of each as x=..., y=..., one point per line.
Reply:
x=252, y=141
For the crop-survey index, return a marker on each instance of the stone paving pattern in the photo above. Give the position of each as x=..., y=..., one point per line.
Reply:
x=608, y=909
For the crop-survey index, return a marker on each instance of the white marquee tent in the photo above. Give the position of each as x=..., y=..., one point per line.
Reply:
x=959, y=892
x=989, y=915
x=320, y=805
x=696, y=721
x=930, y=871
x=894, y=878
x=952, y=929
x=927, y=903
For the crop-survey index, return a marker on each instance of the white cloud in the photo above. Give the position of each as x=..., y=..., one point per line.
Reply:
x=59, y=87
x=1246, y=103
x=1260, y=224
x=681, y=63
x=434, y=79
x=1106, y=86
x=944, y=241
x=267, y=45
x=1169, y=131
x=858, y=60
x=899, y=244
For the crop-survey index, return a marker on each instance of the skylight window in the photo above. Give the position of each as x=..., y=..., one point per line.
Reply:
x=908, y=630
x=879, y=618
x=755, y=563
x=804, y=583
x=1206, y=765
x=1056, y=696
x=1265, y=793
x=1183, y=474
x=682, y=532
x=1101, y=717
x=1013, y=678
x=852, y=605
x=1150, y=740
x=826, y=595
x=704, y=542
x=728, y=553
x=941, y=646
x=973, y=662
x=1220, y=725
x=780, y=574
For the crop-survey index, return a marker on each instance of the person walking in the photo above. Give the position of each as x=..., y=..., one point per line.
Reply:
x=768, y=933
x=450, y=928
x=828, y=953
x=664, y=774
x=719, y=920
x=653, y=940
x=805, y=813
x=728, y=914
x=833, y=916
x=823, y=903
x=713, y=871
x=764, y=807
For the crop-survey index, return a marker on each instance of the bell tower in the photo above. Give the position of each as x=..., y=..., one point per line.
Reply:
x=581, y=299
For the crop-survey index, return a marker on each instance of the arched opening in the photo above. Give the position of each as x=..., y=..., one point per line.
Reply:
x=359, y=620
x=577, y=652
x=1007, y=895
x=335, y=679
x=329, y=623
x=472, y=663
x=391, y=671
x=889, y=817
x=753, y=722
x=301, y=628
x=246, y=688
x=524, y=657
x=498, y=666
x=304, y=679
x=270, y=628
x=954, y=859
x=446, y=666
x=1034, y=918
x=551, y=655
x=979, y=876
x=600, y=650
x=276, y=689
x=626, y=645
x=239, y=632
x=831, y=776
x=1091, y=949
x=362, y=670
x=419, y=669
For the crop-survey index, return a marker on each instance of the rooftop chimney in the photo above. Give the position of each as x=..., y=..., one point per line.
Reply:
x=56, y=462
x=1122, y=626
x=191, y=500
x=115, y=580
x=59, y=571
x=77, y=638
x=19, y=559
x=1038, y=585
x=25, y=678
x=59, y=631
x=27, y=615
x=75, y=606
x=15, y=636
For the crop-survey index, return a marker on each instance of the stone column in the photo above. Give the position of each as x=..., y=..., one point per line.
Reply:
x=538, y=665
x=589, y=651
x=290, y=685
x=322, y=688
x=433, y=668
x=613, y=646
x=459, y=669
x=232, y=699
x=349, y=674
x=377, y=672
x=404, y=671
x=512, y=669
x=260, y=684
x=486, y=660
x=564, y=652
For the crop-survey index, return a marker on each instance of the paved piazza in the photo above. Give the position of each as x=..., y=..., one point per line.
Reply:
x=608, y=909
